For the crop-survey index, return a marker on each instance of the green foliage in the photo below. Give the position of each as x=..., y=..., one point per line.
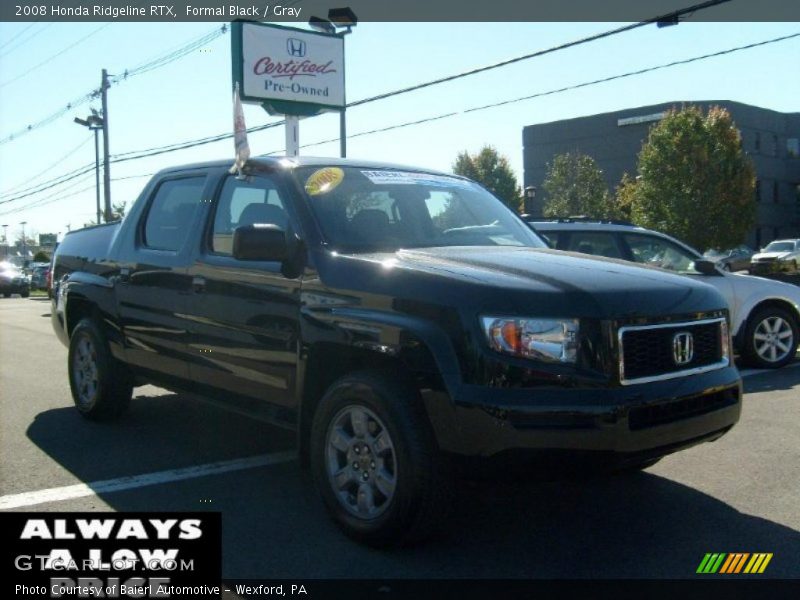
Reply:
x=695, y=182
x=41, y=256
x=493, y=172
x=574, y=186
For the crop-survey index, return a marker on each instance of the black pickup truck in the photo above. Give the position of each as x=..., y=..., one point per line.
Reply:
x=397, y=319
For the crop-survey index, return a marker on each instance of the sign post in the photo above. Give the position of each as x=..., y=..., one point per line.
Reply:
x=288, y=71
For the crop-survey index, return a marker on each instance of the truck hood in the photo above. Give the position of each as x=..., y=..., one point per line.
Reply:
x=541, y=281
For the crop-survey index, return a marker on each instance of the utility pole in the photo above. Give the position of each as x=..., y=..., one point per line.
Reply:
x=24, y=245
x=5, y=238
x=104, y=85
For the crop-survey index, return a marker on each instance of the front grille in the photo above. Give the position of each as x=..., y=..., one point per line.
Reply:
x=648, y=352
x=661, y=413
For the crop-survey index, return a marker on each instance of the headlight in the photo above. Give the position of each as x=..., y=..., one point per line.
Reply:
x=552, y=340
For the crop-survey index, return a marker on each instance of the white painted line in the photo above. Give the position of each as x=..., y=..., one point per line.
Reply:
x=136, y=481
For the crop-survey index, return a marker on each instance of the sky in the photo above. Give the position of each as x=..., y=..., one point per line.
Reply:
x=49, y=64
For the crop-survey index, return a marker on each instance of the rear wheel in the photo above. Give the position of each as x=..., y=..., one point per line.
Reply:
x=101, y=386
x=375, y=461
x=771, y=338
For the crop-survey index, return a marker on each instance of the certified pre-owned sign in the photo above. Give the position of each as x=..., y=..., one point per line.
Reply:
x=288, y=70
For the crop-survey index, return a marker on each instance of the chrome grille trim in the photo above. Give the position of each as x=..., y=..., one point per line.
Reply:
x=724, y=362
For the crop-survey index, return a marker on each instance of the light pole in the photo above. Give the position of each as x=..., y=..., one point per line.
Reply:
x=338, y=18
x=95, y=123
x=24, y=245
x=530, y=197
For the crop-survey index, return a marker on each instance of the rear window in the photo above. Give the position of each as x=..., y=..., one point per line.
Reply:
x=171, y=213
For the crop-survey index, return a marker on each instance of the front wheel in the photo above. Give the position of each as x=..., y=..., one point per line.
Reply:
x=771, y=338
x=375, y=461
x=101, y=386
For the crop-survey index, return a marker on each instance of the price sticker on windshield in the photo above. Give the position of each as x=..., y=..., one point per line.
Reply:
x=323, y=181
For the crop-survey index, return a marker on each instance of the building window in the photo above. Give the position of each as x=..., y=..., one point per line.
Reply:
x=758, y=190
x=775, y=192
x=793, y=147
x=757, y=142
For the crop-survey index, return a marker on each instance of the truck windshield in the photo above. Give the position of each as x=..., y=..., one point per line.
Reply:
x=364, y=210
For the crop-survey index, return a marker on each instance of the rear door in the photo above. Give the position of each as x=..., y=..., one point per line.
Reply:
x=153, y=286
x=245, y=314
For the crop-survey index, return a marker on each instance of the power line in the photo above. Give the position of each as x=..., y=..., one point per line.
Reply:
x=192, y=143
x=562, y=89
x=59, y=160
x=26, y=40
x=51, y=57
x=161, y=61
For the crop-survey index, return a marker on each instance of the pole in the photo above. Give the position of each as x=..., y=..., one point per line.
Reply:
x=106, y=166
x=342, y=133
x=292, y=135
x=24, y=245
x=5, y=238
x=97, y=173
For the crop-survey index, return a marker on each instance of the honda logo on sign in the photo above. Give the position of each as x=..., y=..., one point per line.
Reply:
x=682, y=348
x=296, y=47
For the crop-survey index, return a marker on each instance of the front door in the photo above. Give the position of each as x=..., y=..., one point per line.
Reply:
x=245, y=314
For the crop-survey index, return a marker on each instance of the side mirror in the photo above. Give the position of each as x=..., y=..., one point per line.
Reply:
x=706, y=267
x=260, y=242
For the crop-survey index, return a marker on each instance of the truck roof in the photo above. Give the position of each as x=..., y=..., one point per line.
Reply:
x=284, y=162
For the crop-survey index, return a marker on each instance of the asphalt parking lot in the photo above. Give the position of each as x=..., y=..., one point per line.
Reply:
x=739, y=494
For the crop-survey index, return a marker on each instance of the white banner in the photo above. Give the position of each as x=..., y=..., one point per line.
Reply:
x=291, y=65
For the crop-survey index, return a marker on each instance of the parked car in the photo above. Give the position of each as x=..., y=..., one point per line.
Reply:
x=780, y=255
x=39, y=276
x=396, y=318
x=765, y=314
x=734, y=259
x=13, y=281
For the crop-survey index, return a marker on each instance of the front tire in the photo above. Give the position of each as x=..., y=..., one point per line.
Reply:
x=771, y=338
x=375, y=461
x=101, y=386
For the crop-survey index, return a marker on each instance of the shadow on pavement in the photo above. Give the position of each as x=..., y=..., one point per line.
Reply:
x=639, y=525
x=779, y=379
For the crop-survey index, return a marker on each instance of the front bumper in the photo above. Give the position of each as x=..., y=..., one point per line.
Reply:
x=647, y=420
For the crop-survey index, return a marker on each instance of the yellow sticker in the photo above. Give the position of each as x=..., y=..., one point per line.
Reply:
x=324, y=180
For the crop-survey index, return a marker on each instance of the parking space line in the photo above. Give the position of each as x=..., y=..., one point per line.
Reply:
x=136, y=481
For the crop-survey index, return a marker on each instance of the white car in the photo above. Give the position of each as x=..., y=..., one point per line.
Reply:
x=765, y=314
x=780, y=255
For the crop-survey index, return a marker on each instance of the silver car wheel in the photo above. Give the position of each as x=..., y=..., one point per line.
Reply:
x=773, y=339
x=361, y=462
x=85, y=372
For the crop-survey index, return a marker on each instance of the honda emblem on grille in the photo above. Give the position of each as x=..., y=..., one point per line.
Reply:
x=682, y=348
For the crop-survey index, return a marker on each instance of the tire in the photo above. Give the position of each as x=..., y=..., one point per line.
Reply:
x=101, y=386
x=771, y=338
x=401, y=496
x=726, y=267
x=6, y=295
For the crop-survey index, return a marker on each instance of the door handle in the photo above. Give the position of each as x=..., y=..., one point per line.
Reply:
x=198, y=285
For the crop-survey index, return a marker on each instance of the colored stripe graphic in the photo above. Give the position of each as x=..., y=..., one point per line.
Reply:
x=758, y=563
x=711, y=563
x=734, y=563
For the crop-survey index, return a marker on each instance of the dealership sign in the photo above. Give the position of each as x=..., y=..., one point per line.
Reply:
x=286, y=70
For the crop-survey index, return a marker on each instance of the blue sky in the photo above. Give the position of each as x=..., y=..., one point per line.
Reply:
x=190, y=98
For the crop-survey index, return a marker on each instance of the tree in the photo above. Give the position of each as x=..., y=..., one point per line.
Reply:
x=695, y=182
x=574, y=185
x=41, y=256
x=493, y=172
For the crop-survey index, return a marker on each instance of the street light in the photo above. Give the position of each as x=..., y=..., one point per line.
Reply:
x=338, y=18
x=530, y=196
x=95, y=123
